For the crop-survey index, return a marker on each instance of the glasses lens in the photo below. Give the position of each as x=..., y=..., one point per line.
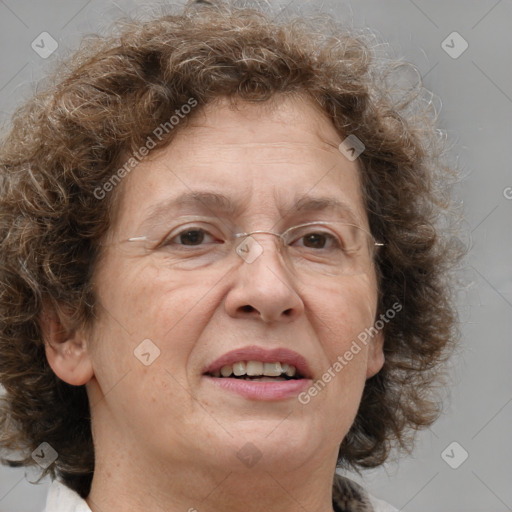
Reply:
x=332, y=249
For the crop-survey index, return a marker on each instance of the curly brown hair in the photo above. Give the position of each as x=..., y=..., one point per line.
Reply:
x=106, y=100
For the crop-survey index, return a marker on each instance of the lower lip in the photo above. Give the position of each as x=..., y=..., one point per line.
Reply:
x=262, y=390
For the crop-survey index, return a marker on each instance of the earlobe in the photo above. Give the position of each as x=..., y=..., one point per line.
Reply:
x=66, y=347
x=375, y=355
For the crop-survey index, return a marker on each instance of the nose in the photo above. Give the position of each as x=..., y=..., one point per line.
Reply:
x=264, y=287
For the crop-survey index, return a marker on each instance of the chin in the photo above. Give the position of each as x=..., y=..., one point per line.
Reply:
x=269, y=445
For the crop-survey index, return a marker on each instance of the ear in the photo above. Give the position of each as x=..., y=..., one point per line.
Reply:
x=66, y=347
x=375, y=355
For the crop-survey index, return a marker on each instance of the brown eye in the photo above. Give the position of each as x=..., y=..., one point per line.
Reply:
x=313, y=237
x=316, y=240
x=191, y=237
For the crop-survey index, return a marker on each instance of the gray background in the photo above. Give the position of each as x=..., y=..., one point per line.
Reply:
x=476, y=93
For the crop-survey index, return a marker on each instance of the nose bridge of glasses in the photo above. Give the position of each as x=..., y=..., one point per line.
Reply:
x=258, y=232
x=249, y=246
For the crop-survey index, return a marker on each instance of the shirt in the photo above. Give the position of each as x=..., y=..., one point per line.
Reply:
x=347, y=496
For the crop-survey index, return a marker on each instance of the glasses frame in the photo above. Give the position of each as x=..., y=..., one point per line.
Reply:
x=313, y=223
x=282, y=236
x=279, y=235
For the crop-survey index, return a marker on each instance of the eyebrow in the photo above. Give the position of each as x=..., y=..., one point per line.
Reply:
x=218, y=204
x=325, y=203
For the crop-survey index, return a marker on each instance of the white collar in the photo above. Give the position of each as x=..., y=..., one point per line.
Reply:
x=62, y=499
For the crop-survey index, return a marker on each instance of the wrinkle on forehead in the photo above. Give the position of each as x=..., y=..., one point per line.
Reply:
x=321, y=146
x=306, y=117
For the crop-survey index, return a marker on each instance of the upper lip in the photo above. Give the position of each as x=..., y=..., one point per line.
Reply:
x=255, y=353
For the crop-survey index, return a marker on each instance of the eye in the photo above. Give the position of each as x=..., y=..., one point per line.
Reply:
x=192, y=236
x=317, y=239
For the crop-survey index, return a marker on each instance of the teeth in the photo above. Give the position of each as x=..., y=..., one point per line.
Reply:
x=256, y=369
x=291, y=371
x=226, y=371
x=272, y=369
x=239, y=368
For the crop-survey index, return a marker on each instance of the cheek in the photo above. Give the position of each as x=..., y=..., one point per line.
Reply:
x=148, y=303
x=137, y=307
x=344, y=308
x=342, y=314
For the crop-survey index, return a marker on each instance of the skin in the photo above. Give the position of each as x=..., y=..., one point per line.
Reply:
x=165, y=438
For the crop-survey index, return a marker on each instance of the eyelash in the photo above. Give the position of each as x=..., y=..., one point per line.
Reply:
x=169, y=239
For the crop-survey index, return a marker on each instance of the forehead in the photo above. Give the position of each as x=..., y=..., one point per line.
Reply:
x=264, y=159
x=278, y=122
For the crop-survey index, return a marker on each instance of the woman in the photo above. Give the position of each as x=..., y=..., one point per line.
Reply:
x=222, y=273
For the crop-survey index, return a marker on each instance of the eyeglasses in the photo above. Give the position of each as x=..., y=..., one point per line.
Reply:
x=313, y=248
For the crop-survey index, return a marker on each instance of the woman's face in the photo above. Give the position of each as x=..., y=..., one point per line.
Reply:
x=152, y=399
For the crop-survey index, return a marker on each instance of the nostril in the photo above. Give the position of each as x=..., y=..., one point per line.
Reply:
x=247, y=308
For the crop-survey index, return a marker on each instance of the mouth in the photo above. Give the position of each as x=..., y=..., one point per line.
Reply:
x=260, y=374
x=257, y=371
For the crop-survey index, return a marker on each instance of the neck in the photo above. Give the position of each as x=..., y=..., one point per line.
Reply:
x=132, y=486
